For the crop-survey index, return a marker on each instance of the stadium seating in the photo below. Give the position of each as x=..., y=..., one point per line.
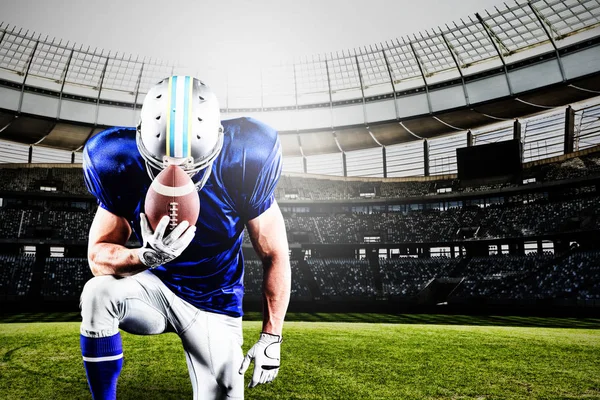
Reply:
x=64, y=277
x=405, y=277
x=16, y=273
x=344, y=220
x=343, y=276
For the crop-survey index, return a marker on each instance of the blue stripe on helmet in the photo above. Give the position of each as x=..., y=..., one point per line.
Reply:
x=186, y=116
x=172, y=111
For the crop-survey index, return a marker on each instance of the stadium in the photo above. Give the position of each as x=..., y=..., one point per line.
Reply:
x=441, y=194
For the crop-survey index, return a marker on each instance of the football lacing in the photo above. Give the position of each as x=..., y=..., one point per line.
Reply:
x=173, y=214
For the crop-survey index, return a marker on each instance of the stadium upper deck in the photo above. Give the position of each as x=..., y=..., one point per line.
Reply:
x=510, y=62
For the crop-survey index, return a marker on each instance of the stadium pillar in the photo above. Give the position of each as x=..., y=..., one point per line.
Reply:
x=569, y=130
x=304, y=165
x=517, y=130
x=425, y=157
x=72, y=157
x=469, y=138
x=384, y=160
x=30, y=157
x=517, y=135
x=344, y=165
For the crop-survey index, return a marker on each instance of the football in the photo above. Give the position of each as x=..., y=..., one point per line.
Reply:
x=172, y=193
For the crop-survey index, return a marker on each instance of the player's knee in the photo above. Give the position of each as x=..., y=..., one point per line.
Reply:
x=99, y=293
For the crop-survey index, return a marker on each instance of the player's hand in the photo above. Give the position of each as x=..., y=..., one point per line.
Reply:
x=265, y=354
x=159, y=249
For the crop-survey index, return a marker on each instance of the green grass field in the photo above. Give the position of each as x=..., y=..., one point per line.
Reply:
x=387, y=357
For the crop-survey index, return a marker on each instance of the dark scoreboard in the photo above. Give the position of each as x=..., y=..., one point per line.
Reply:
x=490, y=160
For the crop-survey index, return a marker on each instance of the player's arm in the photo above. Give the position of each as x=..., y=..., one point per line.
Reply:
x=107, y=253
x=268, y=236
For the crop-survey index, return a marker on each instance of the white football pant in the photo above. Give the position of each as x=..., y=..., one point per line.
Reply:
x=141, y=304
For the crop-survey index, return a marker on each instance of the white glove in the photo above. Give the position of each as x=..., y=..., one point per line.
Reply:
x=158, y=249
x=265, y=354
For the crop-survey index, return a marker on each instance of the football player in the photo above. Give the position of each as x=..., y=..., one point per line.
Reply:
x=191, y=280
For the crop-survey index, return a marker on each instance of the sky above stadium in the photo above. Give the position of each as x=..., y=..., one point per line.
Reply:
x=233, y=32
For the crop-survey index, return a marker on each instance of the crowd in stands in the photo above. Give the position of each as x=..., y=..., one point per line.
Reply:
x=253, y=278
x=64, y=277
x=45, y=224
x=406, y=277
x=16, y=273
x=500, y=277
x=507, y=220
x=533, y=277
x=70, y=181
x=576, y=167
x=343, y=276
x=43, y=179
x=433, y=225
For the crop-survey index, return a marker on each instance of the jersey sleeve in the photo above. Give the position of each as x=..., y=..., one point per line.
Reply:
x=260, y=158
x=92, y=178
x=105, y=160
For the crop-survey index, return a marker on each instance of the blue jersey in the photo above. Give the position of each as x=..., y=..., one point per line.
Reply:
x=209, y=273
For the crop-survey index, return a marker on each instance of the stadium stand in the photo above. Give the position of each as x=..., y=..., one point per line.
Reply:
x=254, y=273
x=405, y=277
x=563, y=201
x=16, y=273
x=64, y=277
x=343, y=277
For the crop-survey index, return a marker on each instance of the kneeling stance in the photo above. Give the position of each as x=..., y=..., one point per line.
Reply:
x=189, y=281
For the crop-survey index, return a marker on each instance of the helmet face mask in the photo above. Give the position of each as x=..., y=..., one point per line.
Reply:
x=180, y=125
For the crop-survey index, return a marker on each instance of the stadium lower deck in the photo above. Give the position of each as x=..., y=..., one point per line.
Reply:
x=406, y=246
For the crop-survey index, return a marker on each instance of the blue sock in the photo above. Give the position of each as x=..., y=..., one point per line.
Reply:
x=103, y=360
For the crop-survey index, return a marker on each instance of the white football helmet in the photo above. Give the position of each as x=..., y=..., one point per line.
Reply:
x=180, y=124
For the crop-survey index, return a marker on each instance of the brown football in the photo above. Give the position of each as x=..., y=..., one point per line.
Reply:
x=172, y=193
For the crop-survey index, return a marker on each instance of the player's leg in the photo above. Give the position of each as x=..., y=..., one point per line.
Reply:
x=134, y=304
x=213, y=348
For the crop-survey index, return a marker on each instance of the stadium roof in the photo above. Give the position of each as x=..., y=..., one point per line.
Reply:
x=495, y=45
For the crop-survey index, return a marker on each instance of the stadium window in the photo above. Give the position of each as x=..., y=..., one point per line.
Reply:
x=29, y=250
x=494, y=200
x=383, y=254
x=444, y=190
x=528, y=181
x=454, y=204
x=1, y=202
x=57, y=251
x=456, y=251
x=372, y=239
x=394, y=253
x=492, y=249
x=504, y=249
x=408, y=256
x=530, y=248
x=435, y=206
x=361, y=254
x=307, y=253
x=367, y=193
x=291, y=194
x=378, y=209
x=439, y=252
x=548, y=246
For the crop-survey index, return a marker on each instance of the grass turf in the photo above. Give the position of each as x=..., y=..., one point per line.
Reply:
x=330, y=360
